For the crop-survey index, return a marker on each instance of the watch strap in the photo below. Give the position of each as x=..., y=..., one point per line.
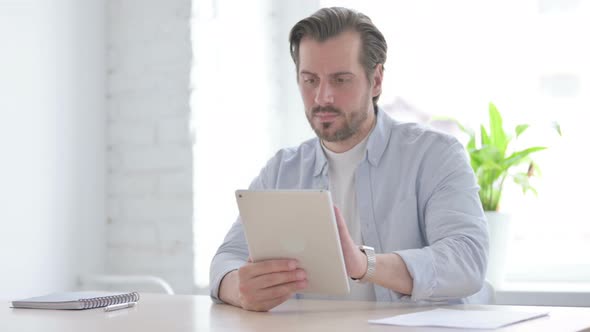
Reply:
x=371, y=264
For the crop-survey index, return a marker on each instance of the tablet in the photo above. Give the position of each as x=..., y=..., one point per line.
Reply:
x=297, y=224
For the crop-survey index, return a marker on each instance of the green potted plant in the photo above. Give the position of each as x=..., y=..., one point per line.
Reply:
x=493, y=162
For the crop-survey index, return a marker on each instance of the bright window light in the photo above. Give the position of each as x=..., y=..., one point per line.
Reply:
x=445, y=58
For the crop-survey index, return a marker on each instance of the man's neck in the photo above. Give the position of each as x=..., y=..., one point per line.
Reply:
x=343, y=146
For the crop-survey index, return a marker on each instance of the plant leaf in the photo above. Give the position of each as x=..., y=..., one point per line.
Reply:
x=520, y=129
x=523, y=180
x=557, y=127
x=471, y=143
x=497, y=135
x=487, y=154
x=485, y=139
x=520, y=156
x=536, y=169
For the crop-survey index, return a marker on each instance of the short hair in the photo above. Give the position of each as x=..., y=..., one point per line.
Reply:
x=330, y=22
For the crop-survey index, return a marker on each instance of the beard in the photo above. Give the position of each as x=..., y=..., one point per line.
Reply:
x=350, y=126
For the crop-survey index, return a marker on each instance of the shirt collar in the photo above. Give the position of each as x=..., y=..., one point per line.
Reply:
x=376, y=144
x=320, y=158
x=379, y=138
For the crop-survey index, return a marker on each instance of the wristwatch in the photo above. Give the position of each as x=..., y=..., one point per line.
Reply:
x=371, y=263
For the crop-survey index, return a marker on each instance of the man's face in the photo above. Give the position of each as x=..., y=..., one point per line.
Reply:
x=336, y=93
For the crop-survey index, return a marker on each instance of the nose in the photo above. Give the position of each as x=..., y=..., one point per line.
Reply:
x=324, y=94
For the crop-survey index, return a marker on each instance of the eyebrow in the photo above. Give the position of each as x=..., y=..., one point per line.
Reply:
x=338, y=73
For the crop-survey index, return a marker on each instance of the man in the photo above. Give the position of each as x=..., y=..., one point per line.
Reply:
x=404, y=190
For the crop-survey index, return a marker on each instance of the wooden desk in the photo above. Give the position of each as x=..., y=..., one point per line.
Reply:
x=197, y=313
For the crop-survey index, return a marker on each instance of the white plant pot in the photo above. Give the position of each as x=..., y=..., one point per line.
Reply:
x=499, y=229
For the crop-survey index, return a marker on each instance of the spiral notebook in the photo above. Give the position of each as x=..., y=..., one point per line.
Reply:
x=76, y=300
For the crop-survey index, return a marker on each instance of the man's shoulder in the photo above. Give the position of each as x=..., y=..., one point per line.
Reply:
x=404, y=133
x=290, y=166
x=296, y=154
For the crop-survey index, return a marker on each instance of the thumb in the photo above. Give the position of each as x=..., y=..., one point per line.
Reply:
x=340, y=221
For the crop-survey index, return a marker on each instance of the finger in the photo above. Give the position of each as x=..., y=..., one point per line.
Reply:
x=342, y=229
x=252, y=270
x=271, y=293
x=277, y=278
x=338, y=215
x=267, y=305
x=275, y=302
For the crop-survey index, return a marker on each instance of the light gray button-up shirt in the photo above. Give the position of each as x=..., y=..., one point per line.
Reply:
x=417, y=196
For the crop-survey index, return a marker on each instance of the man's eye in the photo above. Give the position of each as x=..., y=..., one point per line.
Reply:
x=341, y=80
x=309, y=81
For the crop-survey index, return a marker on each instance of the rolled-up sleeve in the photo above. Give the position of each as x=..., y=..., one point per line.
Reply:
x=453, y=264
x=231, y=255
x=233, y=252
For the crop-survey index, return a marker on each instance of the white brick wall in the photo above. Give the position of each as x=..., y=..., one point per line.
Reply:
x=150, y=208
x=52, y=139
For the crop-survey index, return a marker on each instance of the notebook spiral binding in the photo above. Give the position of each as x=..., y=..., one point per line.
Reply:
x=103, y=301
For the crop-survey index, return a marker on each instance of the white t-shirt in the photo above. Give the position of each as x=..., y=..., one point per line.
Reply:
x=341, y=168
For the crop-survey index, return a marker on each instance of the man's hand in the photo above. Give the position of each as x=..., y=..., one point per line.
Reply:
x=262, y=286
x=355, y=260
x=390, y=272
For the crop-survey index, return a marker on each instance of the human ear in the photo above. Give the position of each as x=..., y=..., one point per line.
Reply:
x=377, y=80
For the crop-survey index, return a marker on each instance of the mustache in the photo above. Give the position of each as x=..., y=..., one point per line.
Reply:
x=325, y=109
